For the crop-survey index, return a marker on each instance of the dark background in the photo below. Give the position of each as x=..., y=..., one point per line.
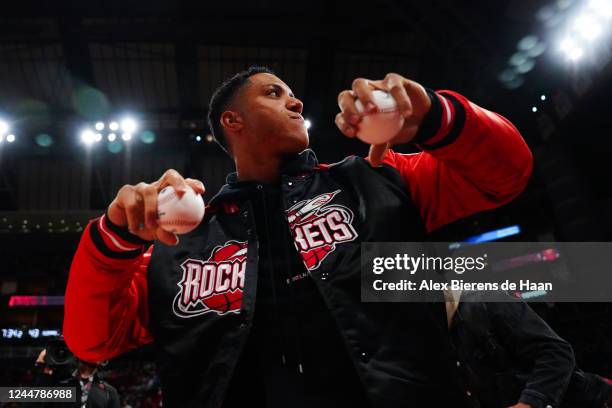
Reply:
x=66, y=64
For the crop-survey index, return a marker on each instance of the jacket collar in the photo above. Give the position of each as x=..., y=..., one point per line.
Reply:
x=306, y=161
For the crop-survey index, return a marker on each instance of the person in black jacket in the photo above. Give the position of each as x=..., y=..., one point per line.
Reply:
x=91, y=391
x=508, y=356
x=261, y=303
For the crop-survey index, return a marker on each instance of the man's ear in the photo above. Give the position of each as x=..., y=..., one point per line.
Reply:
x=232, y=120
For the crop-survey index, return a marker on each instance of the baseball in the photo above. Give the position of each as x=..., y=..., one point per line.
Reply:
x=381, y=126
x=179, y=215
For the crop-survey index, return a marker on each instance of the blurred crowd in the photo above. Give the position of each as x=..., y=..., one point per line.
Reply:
x=136, y=381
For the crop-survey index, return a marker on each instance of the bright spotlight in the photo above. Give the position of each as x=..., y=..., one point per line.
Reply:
x=128, y=125
x=534, y=109
x=4, y=127
x=98, y=137
x=602, y=7
x=100, y=126
x=198, y=138
x=575, y=54
x=567, y=44
x=571, y=49
x=88, y=136
x=126, y=136
x=307, y=124
x=113, y=126
x=10, y=138
x=542, y=97
x=210, y=138
x=587, y=27
x=112, y=137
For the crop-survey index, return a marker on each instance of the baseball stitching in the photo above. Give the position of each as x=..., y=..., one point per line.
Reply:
x=179, y=222
x=167, y=197
x=388, y=110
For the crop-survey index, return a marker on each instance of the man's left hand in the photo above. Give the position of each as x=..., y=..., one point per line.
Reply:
x=412, y=101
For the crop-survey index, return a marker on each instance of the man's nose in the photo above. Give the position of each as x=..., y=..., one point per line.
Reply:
x=295, y=105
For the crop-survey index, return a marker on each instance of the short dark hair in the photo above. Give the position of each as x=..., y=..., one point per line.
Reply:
x=223, y=97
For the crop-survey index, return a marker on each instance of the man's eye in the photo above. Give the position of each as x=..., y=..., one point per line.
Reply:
x=273, y=92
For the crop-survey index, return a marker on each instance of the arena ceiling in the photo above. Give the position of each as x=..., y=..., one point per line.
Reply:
x=63, y=63
x=165, y=58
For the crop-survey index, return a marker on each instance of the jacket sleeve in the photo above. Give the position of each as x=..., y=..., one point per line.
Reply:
x=472, y=159
x=106, y=311
x=532, y=341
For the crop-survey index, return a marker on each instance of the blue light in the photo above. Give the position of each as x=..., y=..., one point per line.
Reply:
x=495, y=235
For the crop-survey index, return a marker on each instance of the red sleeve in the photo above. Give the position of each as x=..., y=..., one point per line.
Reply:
x=106, y=310
x=472, y=160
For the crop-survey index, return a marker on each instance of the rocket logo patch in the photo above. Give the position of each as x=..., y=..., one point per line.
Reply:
x=318, y=226
x=214, y=285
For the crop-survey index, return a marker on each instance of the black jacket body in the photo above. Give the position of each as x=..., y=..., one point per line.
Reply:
x=507, y=354
x=396, y=349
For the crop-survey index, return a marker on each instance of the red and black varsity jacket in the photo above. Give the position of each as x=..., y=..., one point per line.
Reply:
x=195, y=301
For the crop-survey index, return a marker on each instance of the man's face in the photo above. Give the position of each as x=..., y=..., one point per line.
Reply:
x=272, y=116
x=86, y=371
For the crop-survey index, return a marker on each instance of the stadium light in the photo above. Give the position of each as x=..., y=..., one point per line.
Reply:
x=307, y=124
x=112, y=137
x=567, y=44
x=128, y=125
x=587, y=27
x=575, y=54
x=113, y=126
x=602, y=8
x=10, y=138
x=88, y=136
x=571, y=49
x=126, y=136
x=4, y=127
x=99, y=125
x=589, y=24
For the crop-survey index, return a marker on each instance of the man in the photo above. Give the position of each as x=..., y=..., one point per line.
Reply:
x=261, y=303
x=509, y=353
x=91, y=391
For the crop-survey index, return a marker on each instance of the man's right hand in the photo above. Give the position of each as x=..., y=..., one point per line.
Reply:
x=135, y=206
